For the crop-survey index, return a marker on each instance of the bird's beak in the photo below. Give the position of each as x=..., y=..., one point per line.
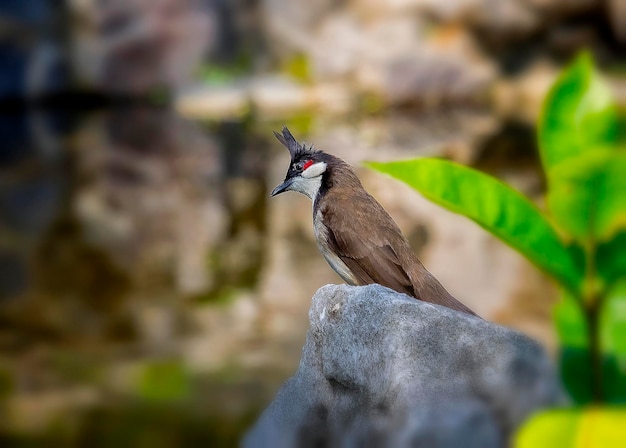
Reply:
x=282, y=187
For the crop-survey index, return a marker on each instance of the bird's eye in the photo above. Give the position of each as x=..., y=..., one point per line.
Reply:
x=298, y=166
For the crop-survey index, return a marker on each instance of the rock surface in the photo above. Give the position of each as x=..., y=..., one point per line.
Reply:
x=381, y=369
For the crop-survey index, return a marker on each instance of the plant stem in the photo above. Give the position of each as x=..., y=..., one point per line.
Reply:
x=595, y=350
x=593, y=303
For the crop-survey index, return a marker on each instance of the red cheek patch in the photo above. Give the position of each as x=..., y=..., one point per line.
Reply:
x=307, y=164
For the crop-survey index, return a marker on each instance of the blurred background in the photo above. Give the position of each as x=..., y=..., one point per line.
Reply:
x=151, y=294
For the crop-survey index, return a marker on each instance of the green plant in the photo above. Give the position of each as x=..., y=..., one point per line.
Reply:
x=298, y=67
x=164, y=381
x=580, y=240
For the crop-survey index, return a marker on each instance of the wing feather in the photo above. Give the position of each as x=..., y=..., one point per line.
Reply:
x=370, y=258
x=370, y=244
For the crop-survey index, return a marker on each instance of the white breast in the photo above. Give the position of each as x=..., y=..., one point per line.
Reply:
x=321, y=235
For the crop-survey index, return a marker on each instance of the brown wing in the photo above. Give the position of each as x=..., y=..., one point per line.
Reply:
x=371, y=258
x=379, y=253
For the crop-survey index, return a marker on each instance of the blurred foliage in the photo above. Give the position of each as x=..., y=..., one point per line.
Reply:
x=579, y=241
x=298, y=67
x=371, y=103
x=217, y=75
x=161, y=426
x=75, y=366
x=163, y=381
x=575, y=428
x=71, y=267
x=579, y=117
x=221, y=74
x=221, y=295
x=7, y=382
x=573, y=331
x=140, y=425
x=301, y=122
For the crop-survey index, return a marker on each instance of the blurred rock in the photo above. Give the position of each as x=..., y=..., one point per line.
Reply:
x=392, y=56
x=13, y=275
x=31, y=49
x=382, y=369
x=32, y=186
x=289, y=24
x=149, y=195
x=277, y=96
x=222, y=334
x=271, y=96
x=505, y=19
x=617, y=15
x=522, y=97
x=212, y=102
x=133, y=47
x=619, y=90
x=448, y=70
x=568, y=6
x=29, y=198
x=34, y=413
x=364, y=55
x=373, y=8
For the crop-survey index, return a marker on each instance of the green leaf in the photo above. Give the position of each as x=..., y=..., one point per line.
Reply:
x=576, y=373
x=579, y=115
x=570, y=321
x=613, y=341
x=611, y=258
x=574, y=355
x=586, y=197
x=493, y=205
x=574, y=428
x=613, y=319
x=554, y=429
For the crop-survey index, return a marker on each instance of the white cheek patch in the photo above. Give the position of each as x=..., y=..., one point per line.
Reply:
x=317, y=169
x=307, y=186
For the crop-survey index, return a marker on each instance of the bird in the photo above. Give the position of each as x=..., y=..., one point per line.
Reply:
x=355, y=234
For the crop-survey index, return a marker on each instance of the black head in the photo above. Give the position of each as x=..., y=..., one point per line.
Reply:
x=306, y=168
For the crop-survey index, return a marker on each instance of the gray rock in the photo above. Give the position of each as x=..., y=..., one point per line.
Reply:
x=382, y=369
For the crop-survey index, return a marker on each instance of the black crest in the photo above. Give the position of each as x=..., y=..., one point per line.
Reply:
x=296, y=149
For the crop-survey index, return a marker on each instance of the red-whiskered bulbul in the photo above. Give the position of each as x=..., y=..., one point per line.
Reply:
x=357, y=237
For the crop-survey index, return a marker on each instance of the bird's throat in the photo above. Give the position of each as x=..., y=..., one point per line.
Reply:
x=307, y=186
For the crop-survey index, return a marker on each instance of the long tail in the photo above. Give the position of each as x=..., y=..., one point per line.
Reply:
x=430, y=290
